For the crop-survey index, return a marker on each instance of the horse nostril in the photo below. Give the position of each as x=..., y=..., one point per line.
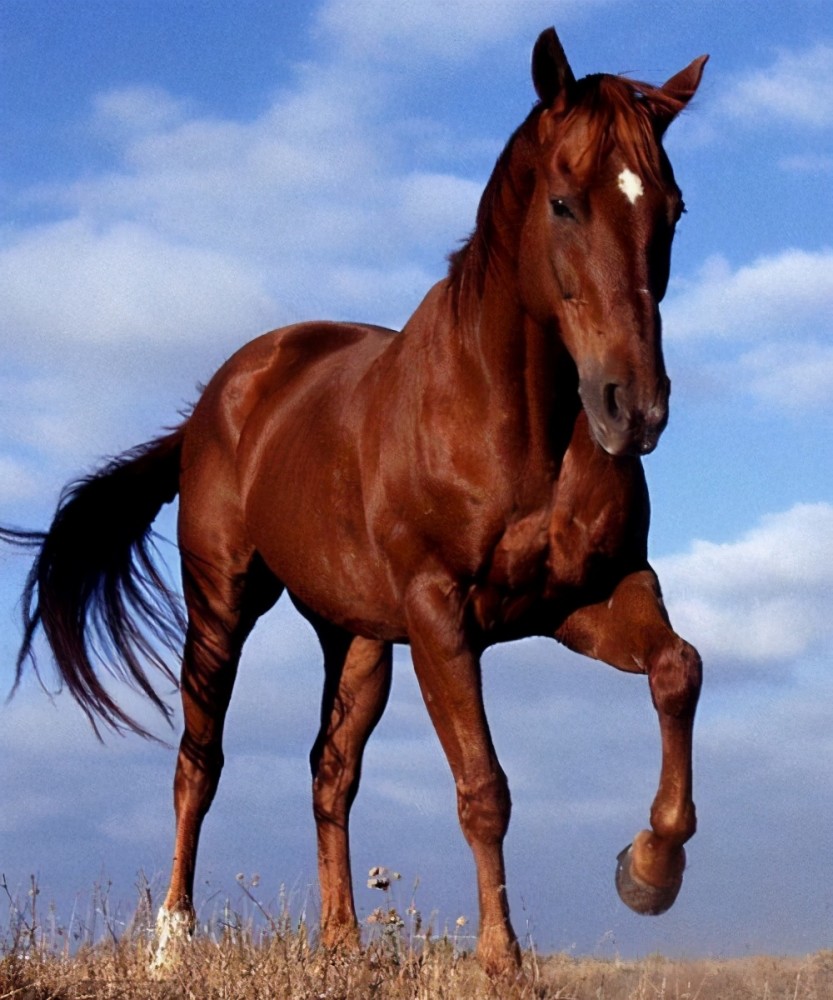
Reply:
x=611, y=402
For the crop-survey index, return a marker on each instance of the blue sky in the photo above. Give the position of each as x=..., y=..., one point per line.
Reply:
x=177, y=177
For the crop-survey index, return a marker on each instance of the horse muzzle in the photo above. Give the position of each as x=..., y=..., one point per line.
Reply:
x=619, y=420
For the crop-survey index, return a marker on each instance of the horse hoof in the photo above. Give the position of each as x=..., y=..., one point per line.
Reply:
x=640, y=896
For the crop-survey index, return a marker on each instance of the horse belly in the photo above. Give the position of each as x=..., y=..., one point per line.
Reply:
x=336, y=581
x=324, y=559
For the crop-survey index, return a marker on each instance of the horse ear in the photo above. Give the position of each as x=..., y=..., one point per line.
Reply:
x=680, y=89
x=551, y=73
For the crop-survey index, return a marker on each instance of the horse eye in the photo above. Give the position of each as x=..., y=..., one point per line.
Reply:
x=561, y=209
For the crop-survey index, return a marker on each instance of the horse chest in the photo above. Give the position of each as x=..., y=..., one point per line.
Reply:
x=599, y=518
x=580, y=543
x=596, y=520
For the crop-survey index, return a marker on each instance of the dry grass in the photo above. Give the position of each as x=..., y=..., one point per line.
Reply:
x=261, y=954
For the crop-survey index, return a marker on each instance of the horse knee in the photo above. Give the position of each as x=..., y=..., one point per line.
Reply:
x=484, y=808
x=675, y=676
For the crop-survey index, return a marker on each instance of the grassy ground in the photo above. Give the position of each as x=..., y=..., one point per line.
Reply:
x=285, y=968
x=242, y=958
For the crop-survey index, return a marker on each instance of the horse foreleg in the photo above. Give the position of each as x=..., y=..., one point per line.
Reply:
x=356, y=689
x=448, y=672
x=631, y=631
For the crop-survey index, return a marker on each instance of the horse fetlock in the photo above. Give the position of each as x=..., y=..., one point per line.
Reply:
x=174, y=928
x=340, y=935
x=498, y=950
x=673, y=825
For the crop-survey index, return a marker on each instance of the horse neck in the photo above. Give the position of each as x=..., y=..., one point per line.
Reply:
x=484, y=294
x=484, y=362
x=487, y=354
x=493, y=329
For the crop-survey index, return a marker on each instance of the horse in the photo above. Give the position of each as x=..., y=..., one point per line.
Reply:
x=472, y=479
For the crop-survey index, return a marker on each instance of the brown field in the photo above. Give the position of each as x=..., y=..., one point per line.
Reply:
x=260, y=955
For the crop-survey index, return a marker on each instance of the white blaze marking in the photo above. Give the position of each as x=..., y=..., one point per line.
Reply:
x=630, y=185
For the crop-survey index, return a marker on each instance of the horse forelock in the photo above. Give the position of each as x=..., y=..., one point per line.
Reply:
x=618, y=113
x=624, y=114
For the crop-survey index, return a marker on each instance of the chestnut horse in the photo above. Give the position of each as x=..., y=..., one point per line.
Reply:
x=473, y=479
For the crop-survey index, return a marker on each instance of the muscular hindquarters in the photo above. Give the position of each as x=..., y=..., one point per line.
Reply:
x=307, y=467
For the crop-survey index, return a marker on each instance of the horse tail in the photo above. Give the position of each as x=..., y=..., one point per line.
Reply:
x=95, y=588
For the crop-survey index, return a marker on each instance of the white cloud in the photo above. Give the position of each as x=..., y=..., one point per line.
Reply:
x=797, y=88
x=782, y=304
x=72, y=283
x=204, y=233
x=760, y=599
x=303, y=182
x=807, y=163
x=453, y=30
x=296, y=193
x=100, y=321
x=16, y=481
x=772, y=296
x=138, y=109
x=442, y=206
x=792, y=376
x=250, y=190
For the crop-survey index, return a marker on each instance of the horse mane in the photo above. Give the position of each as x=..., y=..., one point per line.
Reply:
x=469, y=263
x=623, y=113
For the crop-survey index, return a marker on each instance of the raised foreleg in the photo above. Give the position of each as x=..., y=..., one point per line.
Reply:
x=356, y=689
x=631, y=631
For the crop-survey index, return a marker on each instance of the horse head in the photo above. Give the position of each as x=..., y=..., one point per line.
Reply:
x=595, y=246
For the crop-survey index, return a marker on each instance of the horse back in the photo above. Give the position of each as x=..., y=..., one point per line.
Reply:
x=280, y=365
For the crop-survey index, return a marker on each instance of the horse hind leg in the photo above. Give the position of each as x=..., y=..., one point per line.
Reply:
x=224, y=598
x=356, y=688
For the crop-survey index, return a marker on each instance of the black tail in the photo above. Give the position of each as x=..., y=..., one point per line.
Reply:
x=94, y=587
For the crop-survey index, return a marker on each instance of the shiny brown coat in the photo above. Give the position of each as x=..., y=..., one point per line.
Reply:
x=472, y=479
